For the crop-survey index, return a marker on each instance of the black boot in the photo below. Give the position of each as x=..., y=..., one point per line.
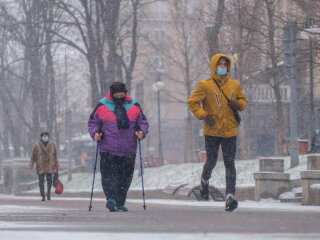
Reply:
x=204, y=191
x=41, y=186
x=42, y=193
x=49, y=184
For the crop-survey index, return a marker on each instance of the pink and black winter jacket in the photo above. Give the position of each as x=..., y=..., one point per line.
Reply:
x=118, y=142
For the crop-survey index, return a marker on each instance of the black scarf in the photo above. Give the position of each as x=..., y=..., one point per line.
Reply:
x=121, y=115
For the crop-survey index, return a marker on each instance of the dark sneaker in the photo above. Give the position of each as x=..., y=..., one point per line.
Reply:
x=112, y=205
x=43, y=198
x=204, y=190
x=122, y=209
x=205, y=195
x=48, y=197
x=231, y=204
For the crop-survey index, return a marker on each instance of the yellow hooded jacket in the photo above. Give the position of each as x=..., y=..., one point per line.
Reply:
x=208, y=99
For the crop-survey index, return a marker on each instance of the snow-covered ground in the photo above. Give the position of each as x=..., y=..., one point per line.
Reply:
x=9, y=229
x=33, y=235
x=265, y=204
x=48, y=229
x=189, y=173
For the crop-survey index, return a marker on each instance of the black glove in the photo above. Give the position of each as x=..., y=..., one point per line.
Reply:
x=235, y=105
x=209, y=120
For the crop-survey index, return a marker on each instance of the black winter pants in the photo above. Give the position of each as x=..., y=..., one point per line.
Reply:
x=228, y=150
x=116, y=175
x=41, y=183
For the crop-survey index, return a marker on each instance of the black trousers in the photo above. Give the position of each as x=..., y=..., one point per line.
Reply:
x=41, y=183
x=116, y=175
x=228, y=151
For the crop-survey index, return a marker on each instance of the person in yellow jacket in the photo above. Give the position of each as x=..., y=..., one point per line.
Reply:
x=216, y=100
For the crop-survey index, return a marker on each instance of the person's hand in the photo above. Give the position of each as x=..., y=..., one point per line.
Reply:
x=235, y=105
x=209, y=120
x=139, y=135
x=30, y=165
x=97, y=137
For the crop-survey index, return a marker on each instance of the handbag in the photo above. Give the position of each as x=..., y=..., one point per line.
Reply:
x=59, y=187
x=235, y=112
x=57, y=183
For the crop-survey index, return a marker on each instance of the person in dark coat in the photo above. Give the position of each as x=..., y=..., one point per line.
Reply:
x=117, y=123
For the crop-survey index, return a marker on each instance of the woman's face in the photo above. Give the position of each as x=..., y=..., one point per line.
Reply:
x=119, y=95
x=222, y=63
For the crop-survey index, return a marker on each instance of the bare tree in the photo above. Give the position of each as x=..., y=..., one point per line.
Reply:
x=184, y=54
x=270, y=47
x=99, y=23
x=213, y=31
x=246, y=60
x=30, y=30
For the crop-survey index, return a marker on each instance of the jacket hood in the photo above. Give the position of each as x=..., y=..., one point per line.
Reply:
x=109, y=97
x=214, y=62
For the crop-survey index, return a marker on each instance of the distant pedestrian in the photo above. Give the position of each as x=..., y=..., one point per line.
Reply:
x=216, y=100
x=116, y=123
x=44, y=155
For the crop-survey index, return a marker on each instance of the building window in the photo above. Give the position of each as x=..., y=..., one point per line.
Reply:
x=310, y=21
x=264, y=93
x=159, y=35
x=159, y=63
x=189, y=7
x=127, y=58
x=160, y=10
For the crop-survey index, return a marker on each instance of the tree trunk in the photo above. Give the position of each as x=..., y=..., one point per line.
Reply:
x=213, y=32
x=280, y=135
x=110, y=17
x=50, y=79
x=95, y=94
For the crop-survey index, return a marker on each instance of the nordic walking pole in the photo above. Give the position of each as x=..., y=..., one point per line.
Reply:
x=141, y=169
x=94, y=174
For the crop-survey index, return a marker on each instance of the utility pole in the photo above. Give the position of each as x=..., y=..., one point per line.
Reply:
x=68, y=118
x=1, y=160
x=159, y=86
x=312, y=114
x=69, y=146
x=290, y=62
x=159, y=130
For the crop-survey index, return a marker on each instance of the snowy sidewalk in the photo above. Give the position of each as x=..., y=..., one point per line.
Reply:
x=68, y=218
x=264, y=204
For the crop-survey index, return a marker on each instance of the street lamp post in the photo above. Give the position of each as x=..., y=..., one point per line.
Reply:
x=1, y=159
x=159, y=130
x=58, y=122
x=307, y=35
x=290, y=61
x=312, y=115
x=69, y=146
x=159, y=86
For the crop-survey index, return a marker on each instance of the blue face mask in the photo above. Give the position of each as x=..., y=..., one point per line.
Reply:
x=221, y=71
x=45, y=139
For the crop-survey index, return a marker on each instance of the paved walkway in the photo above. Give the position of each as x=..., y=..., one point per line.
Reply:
x=174, y=218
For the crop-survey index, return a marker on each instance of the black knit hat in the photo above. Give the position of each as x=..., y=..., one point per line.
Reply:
x=118, y=87
x=44, y=133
